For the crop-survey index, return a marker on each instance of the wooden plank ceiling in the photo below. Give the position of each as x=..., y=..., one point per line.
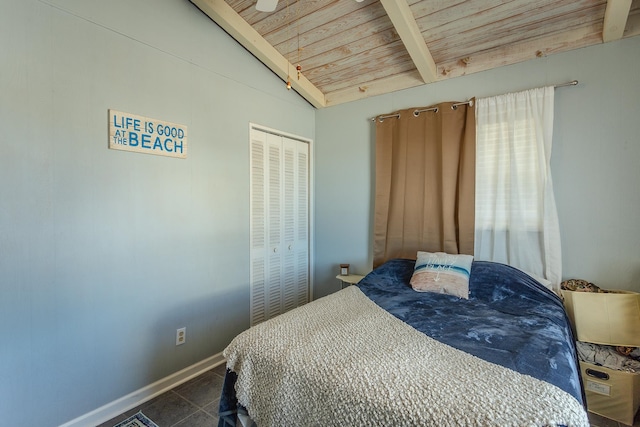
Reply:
x=349, y=49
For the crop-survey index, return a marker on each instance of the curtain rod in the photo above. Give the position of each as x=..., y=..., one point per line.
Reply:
x=417, y=112
x=571, y=83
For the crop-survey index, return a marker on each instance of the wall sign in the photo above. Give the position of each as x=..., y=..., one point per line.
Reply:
x=130, y=132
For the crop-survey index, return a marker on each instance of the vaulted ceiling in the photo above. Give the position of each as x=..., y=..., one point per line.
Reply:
x=349, y=50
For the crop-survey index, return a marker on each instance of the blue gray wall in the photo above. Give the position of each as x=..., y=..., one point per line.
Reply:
x=595, y=162
x=104, y=253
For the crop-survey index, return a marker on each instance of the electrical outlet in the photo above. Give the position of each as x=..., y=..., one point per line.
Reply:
x=181, y=336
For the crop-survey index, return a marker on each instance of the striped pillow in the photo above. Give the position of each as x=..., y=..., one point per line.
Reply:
x=442, y=273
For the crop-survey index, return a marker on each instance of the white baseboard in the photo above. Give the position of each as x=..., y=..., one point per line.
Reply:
x=117, y=407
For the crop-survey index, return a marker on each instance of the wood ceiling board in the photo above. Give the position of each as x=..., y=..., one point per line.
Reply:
x=443, y=8
x=351, y=77
x=317, y=54
x=485, y=39
x=353, y=52
x=309, y=19
x=467, y=13
x=341, y=32
x=501, y=19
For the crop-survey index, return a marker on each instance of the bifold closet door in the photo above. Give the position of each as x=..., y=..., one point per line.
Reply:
x=279, y=224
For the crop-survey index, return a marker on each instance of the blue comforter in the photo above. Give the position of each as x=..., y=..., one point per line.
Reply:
x=509, y=319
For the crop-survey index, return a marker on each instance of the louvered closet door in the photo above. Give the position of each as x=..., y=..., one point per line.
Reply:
x=279, y=225
x=296, y=224
x=258, y=227
x=274, y=226
x=301, y=238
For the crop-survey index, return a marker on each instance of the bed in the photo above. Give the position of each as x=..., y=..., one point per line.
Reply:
x=381, y=353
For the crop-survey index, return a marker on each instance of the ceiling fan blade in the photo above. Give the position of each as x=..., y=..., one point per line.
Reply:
x=266, y=5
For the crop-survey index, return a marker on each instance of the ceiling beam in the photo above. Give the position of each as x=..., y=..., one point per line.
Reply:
x=229, y=20
x=615, y=19
x=407, y=28
x=377, y=87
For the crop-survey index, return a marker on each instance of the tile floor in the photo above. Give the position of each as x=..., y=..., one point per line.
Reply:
x=192, y=404
x=195, y=404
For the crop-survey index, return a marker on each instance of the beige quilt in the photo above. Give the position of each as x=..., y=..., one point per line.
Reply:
x=344, y=361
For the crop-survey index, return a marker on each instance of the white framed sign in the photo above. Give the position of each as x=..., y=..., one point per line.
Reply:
x=130, y=132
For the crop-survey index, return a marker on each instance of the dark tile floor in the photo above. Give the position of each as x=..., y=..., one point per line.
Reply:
x=195, y=404
x=192, y=404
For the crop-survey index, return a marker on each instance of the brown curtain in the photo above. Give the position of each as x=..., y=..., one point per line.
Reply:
x=425, y=183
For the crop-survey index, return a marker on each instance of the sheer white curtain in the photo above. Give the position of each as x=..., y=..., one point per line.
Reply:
x=516, y=221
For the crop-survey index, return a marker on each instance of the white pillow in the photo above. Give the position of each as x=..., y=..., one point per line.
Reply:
x=442, y=273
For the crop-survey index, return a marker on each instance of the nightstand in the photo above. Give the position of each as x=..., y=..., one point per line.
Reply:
x=350, y=279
